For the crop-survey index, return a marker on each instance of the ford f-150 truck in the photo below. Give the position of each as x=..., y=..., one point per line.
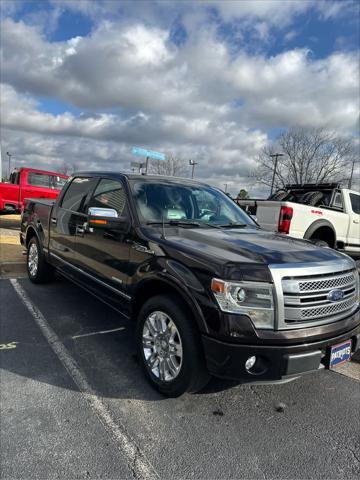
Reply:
x=210, y=291
x=29, y=182
x=323, y=213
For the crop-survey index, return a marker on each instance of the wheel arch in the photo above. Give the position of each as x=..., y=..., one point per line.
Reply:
x=161, y=286
x=31, y=232
x=322, y=230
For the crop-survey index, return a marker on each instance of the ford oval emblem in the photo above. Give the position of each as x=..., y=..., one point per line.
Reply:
x=335, y=295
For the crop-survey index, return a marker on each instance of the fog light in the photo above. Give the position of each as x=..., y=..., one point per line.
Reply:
x=250, y=362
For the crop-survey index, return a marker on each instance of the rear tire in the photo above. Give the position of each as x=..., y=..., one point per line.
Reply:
x=279, y=195
x=39, y=271
x=169, y=347
x=312, y=198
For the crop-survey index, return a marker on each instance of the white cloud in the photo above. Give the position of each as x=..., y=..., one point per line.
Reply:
x=198, y=100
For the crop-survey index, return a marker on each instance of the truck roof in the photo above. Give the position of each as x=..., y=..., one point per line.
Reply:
x=138, y=176
x=27, y=169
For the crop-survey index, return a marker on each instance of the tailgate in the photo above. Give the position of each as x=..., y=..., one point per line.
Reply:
x=268, y=215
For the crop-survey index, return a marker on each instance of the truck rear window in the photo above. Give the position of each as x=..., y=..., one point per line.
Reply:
x=58, y=182
x=39, y=179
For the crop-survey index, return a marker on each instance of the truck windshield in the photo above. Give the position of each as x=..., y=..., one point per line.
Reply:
x=173, y=203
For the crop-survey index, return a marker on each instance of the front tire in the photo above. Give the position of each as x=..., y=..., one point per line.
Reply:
x=39, y=271
x=169, y=347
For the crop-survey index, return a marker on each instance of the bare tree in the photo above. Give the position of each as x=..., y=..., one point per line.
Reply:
x=67, y=168
x=243, y=194
x=310, y=156
x=171, y=166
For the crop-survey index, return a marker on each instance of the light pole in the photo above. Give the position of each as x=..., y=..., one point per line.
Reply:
x=352, y=173
x=276, y=156
x=225, y=185
x=9, y=155
x=192, y=163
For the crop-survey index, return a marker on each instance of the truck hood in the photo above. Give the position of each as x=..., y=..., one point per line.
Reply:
x=246, y=245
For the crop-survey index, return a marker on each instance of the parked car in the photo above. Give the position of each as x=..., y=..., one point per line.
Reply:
x=29, y=183
x=325, y=214
x=211, y=293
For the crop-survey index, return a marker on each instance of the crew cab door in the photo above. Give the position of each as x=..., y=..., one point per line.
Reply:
x=102, y=248
x=353, y=239
x=36, y=185
x=66, y=219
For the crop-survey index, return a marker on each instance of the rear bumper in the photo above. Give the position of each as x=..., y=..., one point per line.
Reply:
x=275, y=363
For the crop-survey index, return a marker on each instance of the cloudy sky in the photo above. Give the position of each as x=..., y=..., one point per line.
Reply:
x=82, y=81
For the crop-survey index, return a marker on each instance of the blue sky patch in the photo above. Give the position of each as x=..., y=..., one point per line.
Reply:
x=56, y=107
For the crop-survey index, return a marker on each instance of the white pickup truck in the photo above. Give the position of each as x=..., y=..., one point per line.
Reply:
x=324, y=213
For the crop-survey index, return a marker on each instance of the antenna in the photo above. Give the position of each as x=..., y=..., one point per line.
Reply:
x=163, y=226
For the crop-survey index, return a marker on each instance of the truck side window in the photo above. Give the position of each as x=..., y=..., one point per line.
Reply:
x=109, y=194
x=355, y=203
x=76, y=194
x=337, y=203
x=38, y=179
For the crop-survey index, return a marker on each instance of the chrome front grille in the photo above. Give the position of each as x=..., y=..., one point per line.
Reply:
x=302, y=293
x=307, y=299
x=328, y=283
x=328, y=309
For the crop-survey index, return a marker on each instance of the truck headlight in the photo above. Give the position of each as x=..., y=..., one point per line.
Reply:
x=254, y=299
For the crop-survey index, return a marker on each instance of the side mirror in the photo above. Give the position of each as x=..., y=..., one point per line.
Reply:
x=102, y=212
x=108, y=219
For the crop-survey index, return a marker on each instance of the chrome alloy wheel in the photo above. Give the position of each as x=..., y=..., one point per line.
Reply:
x=162, y=346
x=33, y=259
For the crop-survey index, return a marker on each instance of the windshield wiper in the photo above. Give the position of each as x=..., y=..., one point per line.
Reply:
x=233, y=225
x=184, y=223
x=176, y=223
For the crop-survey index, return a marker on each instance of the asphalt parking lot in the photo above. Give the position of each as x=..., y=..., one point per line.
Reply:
x=75, y=405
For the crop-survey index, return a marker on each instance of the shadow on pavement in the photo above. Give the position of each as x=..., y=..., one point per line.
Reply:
x=108, y=360
x=10, y=221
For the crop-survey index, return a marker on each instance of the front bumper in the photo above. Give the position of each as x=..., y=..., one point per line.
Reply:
x=275, y=362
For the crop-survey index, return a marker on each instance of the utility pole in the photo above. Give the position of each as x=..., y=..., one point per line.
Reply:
x=192, y=163
x=9, y=155
x=352, y=173
x=276, y=156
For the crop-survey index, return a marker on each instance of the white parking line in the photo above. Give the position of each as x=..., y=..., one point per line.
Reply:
x=100, y=332
x=127, y=446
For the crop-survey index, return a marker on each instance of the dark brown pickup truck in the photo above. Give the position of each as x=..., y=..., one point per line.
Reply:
x=210, y=291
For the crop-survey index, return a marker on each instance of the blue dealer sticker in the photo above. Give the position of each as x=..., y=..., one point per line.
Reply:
x=340, y=353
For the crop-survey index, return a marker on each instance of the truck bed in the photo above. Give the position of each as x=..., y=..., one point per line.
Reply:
x=38, y=210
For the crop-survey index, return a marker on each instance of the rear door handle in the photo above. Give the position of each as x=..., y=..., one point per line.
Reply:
x=355, y=221
x=53, y=220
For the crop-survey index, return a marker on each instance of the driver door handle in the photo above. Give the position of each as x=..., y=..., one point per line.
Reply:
x=81, y=229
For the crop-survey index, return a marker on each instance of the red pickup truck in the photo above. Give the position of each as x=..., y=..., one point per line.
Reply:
x=29, y=183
